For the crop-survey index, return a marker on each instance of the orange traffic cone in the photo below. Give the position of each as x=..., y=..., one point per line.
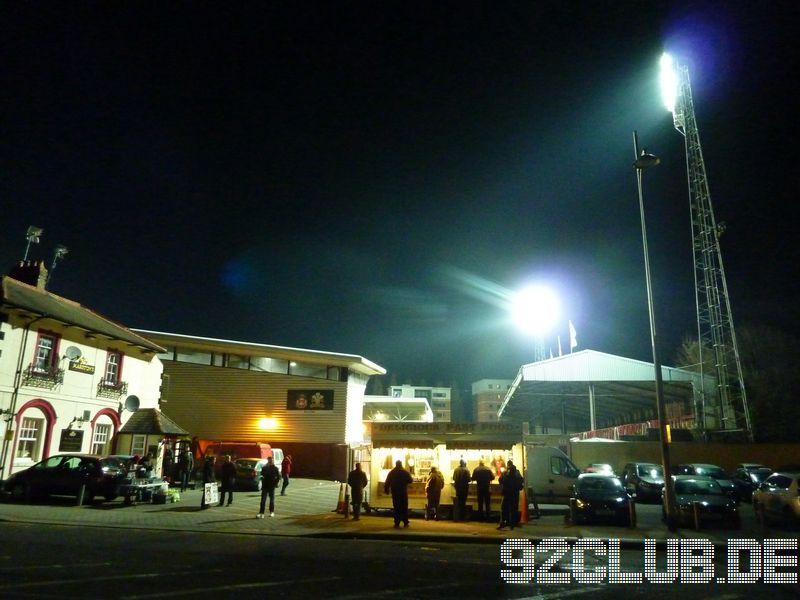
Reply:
x=523, y=510
x=340, y=504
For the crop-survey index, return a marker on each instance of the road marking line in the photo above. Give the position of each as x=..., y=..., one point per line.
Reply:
x=222, y=588
x=564, y=594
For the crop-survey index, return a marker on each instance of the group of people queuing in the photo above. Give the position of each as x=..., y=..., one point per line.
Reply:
x=271, y=477
x=398, y=479
x=511, y=484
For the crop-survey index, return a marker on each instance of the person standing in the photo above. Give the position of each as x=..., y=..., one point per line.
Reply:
x=461, y=478
x=286, y=468
x=185, y=468
x=270, y=476
x=398, y=481
x=357, y=480
x=208, y=477
x=483, y=477
x=166, y=465
x=511, y=483
x=433, y=492
x=228, y=481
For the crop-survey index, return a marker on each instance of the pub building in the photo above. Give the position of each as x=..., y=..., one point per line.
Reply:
x=442, y=445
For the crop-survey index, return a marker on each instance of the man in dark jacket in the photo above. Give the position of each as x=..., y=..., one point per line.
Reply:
x=511, y=483
x=185, y=468
x=483, y=477
x=398, y=481
x=228, y=481
x=357, y=480
x=461, y=478
x=270, y=476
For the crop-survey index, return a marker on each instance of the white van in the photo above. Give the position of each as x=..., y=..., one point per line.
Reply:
x=550, y=474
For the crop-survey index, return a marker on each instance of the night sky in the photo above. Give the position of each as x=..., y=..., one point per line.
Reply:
x=374, y=177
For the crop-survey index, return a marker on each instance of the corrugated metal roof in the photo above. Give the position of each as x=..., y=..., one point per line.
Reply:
x=21, y=296
x=620, y=385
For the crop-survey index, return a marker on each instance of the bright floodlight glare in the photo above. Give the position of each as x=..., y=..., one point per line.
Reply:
x=535, y=310
x=669, y=82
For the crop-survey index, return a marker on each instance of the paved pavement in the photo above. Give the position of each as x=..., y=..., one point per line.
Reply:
x=309, y=509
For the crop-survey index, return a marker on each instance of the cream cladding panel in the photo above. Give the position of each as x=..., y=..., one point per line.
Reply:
x=228, y=404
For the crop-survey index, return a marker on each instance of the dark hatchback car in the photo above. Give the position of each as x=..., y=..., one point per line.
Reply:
x=717, y=473
x=747, y=477
x=64, y=474
x=600, y=497
x=248, y=473
x=646, y=480
x=713, y=505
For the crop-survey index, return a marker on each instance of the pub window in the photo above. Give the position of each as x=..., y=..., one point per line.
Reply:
x=30, y=439
x=102, y=435
x=137, y=445
x=46, y=354
x=113, y=367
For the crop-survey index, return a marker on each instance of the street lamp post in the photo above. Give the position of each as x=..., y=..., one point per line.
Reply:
x=645, y=161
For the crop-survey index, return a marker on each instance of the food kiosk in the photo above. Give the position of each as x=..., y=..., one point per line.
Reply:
x=422, y=445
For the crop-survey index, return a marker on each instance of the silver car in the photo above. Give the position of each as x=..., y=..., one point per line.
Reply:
x=778, y=498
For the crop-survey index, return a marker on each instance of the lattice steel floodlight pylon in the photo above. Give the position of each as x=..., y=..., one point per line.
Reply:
x=715, y=329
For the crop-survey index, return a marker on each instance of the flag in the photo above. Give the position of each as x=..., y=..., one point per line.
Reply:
x=573, y=337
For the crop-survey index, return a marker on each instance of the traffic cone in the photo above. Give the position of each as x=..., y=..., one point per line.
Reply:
x=340, y=504
x=523, y=511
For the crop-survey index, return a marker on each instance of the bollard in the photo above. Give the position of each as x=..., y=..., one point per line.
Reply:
x=696, y=510
x=81, y=494
x=346, y=503
x=523, y=512
x=340, y=503
x=573, y=511
x=632, y=514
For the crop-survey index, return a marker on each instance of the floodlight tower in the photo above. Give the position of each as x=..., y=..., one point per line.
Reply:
x=714, y=318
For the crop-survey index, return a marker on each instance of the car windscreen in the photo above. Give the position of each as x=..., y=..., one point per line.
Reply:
x=651, y=471
x=246, y=464
x=600, y=484
x=686, y=487
x=715, y=472
x=760, y=475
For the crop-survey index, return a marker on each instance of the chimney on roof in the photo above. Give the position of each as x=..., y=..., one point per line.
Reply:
x=32, y=272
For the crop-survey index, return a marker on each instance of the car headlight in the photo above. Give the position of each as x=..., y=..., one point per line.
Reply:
x=580, y=503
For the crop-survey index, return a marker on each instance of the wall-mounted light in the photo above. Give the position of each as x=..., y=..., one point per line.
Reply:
x=268, y=423
x=79, y=421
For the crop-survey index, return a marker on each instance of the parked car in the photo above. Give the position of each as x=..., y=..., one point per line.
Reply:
x=713, y=471
x=778, y=498
x=248, y=473
x=600, y=497
x=64, y=474
x=705, y=493
x=747, y=477
x=605, y=468
x=646, y=480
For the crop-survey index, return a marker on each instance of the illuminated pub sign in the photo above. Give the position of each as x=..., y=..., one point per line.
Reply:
x=309, y=400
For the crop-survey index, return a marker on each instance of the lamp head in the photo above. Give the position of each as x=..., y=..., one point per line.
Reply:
x=646, y=160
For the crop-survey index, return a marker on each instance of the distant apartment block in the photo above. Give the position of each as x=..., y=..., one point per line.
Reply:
x=438, y=398
x=487, y=395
